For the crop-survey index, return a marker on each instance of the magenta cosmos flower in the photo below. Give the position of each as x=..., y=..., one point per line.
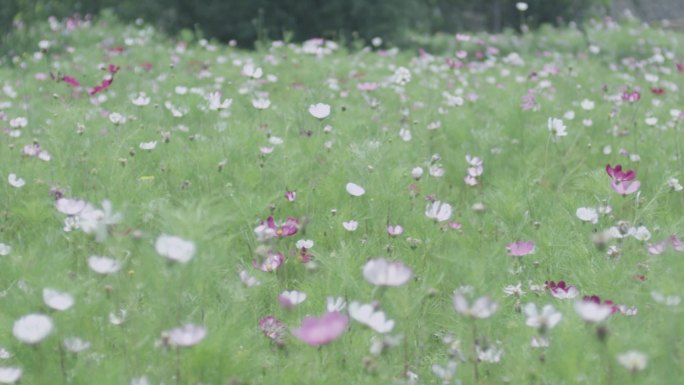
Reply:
x=270, y=228
x=623, y=182
x=561, y=290
x=520, y=248
x=320, y=331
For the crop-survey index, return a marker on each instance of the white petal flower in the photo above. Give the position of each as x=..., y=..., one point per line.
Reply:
x=483, y=307
x=57, y=300
x=9, y=375
x=350, y=225
x=15, y=181
x=319, y=110
x=187, y=335
x=381, y=272
x=367, y=315
x=355, y=190
x=632, y=360
x=292, y=298
x=546, y=320
x=70, y=206
x=175, y=248
x=148, y=145
x=335, y=304
x=32, y=328
x=5, y=249
x=438, y=211
x=587, y=214
x=103, y=265
x=75, y=344
x=592, y=312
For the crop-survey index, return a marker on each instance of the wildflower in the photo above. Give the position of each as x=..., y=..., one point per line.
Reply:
x=215, y=103
x=543, y=321
x=148, y=145
x=5, y=249
x=174, y=248
x=417, y=172
x=640, y=233
x=290, y=299
x=322, y=330
x=9, y=375
x=591, y=311
x=520, y=248
x=141, y=99
x=274, y=329
x=187, y=335
x=70, y=206
x=557, y=128
x=625, y=187
x=674, y=184
x=401, y=76
x=248, y=280
x=261, y=103
x=319, y=110
x=269, y=260
x=381, y=272
x=103, y=265
x=633, y=361
x=521, y=6
x=446, y=373
x=367, y=315
x=93, y=220
x=587, y=214
x=15, y=181
x=290, y=196
x=395, y=230
x=350, y=225
x=561, y=290
x=75, y=344
x=587, y=104
x=335, y=303
x=514, y=290
x=32, y=328
x=57, y=300
x=438, y=211
x=491, y=353
x=355, y=190
x=631, y=96
x=483, y=307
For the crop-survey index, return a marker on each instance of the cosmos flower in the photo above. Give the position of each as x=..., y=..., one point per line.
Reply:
x=9, y=375
x=381, y=272
x=350, y=225
x=290, y=299
x=15, y=181
x=633, y=360
x=335, y=303
x=75, y=344
x=215, y=103
x=593, y=312
x=174, y=248
x=520, y=248
x=57, y=300
x=438, y=211
x=557, y=128
x=187, y=335
x=274, y=329
x=271, y=228
x=369, y=316
x=268, y=260
x=543, y=321
x=355, y=190
x=323, y=330
x=5, y=249
x=32, y=328
x=319, y=110
x=395, y=230
x=248, y=280
x=482, y=307
x=561, y=290
x=103, y=265
x=587, y=214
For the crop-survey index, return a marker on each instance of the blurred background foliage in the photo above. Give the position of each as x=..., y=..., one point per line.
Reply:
x=342, y=20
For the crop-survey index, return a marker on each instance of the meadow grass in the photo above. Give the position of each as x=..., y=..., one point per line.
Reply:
x=216, y=175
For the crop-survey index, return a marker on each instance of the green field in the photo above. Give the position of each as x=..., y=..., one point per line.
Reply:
x=169, y=156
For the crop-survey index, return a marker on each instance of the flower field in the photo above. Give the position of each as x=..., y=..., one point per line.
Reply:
x=488, y=209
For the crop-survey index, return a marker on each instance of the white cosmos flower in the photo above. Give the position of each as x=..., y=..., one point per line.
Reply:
x=587, y=214
x=438, y=211
x=592, y=312
x=557, y=127
x=175, y=248
x=15, y=181
x=355, y=190
x=118, y=318
x=335, y=304
x=75, y=344
x=57, y=300
x=103, y=265
x=9, y=375
x=19, y=122
x=141, y=99
x=319, y=110
x=5, y=249
x=248, y=280
x=640, y=233
x=93, y=220
x=215, y=103
x=350, y=225
x=587, y=104
x=381, y=272
x=187, y=335
x=250, y=70
x=543, y=321
x=367, y=315
x=633, y=360
x=522, y=7
x=148, y=145
x=292, y=298
x=70, y=206
x=483, y=307
x=32, y=328
x=261, y=103
x=304, y=244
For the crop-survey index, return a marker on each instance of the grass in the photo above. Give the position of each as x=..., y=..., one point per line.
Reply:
x=210, y=183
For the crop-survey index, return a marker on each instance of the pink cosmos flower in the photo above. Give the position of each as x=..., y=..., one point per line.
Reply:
x=290, y=196
x=617, y=174
x=625, y=187
x=520, y=248
x=283, y=230
x=676, y=243
x=395, y=230
x=631, y=96
x=367, y=86
x=274, y=329
x=561, y=290
x=269, y=261
x=72, y=81
x=320, y=331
